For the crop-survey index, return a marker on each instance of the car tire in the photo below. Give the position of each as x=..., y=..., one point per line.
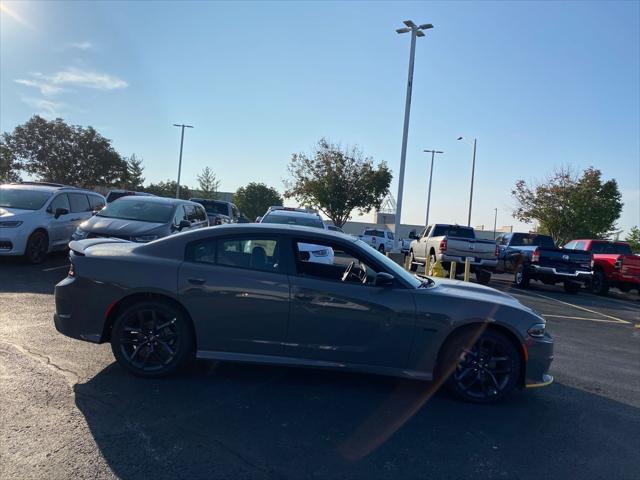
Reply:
x=521, y=278
x=483, y=277
x=381, y=249
x=413, y=265
x=599, y=284
x=37, y=248
x=480, y=366
x=152, y=339
x=623, y=287
x=571, y=287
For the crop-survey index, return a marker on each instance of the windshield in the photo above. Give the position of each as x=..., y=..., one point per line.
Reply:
x=453, y=231
x=392, y=266
x=293, y=220
x=23, y=199
x=138, y=210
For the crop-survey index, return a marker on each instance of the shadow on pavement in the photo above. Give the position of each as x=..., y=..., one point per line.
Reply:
x=234, y=421
x=17, y=276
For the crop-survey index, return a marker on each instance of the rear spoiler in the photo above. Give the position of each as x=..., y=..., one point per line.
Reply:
x=79, y=246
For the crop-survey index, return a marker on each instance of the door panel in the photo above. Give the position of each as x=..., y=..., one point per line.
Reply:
x=61, y=228
x=341, y=322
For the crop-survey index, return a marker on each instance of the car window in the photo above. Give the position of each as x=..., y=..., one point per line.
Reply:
x=190, y=213
x=201, y=214
x=253, y=253
x=234, y=211
x=570, y=246
x=79, y=202
x=453, y=231
x=390, y=235
x=180, y=215
x=580, y=246
x=96, y=202
x=610, y=248
x=61, y=201
x=425, y=232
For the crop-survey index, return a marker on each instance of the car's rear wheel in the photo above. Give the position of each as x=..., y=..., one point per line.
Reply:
x=37, y=247
x=152, y=339
x=599, y=284
x=521, y=278
x=381, y=248
x=481, y=367
x=483, y=277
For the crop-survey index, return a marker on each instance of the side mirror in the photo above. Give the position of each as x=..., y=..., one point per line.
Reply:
x=384, y=279
x=413, y=235
x=60, y=212
x=183, y=224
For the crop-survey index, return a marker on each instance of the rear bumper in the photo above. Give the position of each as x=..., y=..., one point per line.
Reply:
x=76, y=315
x=539, y=358
x=580, y=276
x=475, y=261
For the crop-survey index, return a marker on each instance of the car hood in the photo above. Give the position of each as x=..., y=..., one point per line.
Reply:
x=119, y=226
x=473, y=291
x=14, y=213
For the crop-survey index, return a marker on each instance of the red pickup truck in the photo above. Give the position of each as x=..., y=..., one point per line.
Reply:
x=614, y=265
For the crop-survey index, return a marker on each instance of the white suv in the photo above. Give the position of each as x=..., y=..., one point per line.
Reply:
x=37, y=218
x=303, y=218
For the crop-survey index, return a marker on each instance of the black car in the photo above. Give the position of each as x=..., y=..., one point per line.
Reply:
x=532, y=256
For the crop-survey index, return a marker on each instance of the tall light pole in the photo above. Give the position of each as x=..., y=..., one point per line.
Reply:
x=473, y=171
x=416, y=31
x=183, y=126
x=495, y=222
x=433, y=154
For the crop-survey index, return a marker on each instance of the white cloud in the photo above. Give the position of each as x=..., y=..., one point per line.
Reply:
x=72, y=77
x=47, y=108
x=81, y=45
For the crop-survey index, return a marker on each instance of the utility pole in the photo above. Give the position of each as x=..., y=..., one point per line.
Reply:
x=495, y=222
x=416, y=31
x=473, y=171
x=182, y=126
x=433, y=154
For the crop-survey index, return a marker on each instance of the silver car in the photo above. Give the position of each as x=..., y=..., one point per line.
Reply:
x=143, y=219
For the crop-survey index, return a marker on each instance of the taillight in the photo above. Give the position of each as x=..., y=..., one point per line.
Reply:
x=617, y=265
x=497, y=251
x=535, y=256
x=443, y=245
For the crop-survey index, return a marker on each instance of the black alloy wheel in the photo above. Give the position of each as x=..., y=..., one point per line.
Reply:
x=483, y=369
x=599, y=284
x=152, y=339
x=37, y=248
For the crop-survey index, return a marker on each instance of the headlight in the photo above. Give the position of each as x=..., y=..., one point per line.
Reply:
x=320, y=253
x=145, y=238
x=10, y=224
x=79, y=234
x=537, y=330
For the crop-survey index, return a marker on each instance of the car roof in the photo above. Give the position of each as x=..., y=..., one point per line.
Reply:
x=40, y=187
x=292, y=213
x=153, y=199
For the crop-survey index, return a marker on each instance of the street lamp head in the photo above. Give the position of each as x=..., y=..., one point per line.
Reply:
x=425, y=26
x=460, y=138
x=409, y=24
x=419, y=33
x=403, y=30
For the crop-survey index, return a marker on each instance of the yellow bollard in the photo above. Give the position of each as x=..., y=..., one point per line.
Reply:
x=427, y=264
x=438, y=271
x=467, y=269
x=452, y=271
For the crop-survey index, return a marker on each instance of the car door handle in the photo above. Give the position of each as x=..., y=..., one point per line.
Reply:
x=197, y=281
x=304, y=297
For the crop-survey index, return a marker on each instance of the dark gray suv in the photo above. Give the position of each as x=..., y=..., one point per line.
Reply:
x=143, y=219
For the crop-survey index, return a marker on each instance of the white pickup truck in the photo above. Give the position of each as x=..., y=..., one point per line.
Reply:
x=453, y=243
x=382, y=240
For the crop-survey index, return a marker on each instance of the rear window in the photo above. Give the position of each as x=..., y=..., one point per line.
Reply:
x=96, y=202
x=214, y=208
x=611, y=248
x=453, y=231
x=531, y=240
x=374, y=233
x=283, y=218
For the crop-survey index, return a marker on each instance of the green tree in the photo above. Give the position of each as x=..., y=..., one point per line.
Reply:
x=633, y=239
x=168, y=189
x=54, y=151
x=337, y=181
x=568, y=206
x=208, y=184
x=254, y=199
x=9, y=168
x=133, y=178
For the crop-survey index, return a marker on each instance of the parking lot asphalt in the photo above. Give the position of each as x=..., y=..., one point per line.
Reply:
x=68, y=411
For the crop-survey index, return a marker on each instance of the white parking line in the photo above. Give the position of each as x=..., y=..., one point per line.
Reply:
x=583, y=318
x=55, y=268
x=616, y=320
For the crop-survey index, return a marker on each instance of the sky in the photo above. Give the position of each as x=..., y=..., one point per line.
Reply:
x=541, y=85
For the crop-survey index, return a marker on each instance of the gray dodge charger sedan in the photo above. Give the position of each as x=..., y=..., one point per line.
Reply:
x=248, y=293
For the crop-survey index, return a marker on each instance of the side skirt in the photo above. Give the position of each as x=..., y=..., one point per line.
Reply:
x=309, y=363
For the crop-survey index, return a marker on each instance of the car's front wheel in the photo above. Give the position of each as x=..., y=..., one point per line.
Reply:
x=381, y=248
x=413, y=265
x=481, y=367
x=37, y=247
x=152, y=339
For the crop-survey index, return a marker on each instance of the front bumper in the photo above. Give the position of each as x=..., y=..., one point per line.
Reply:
x=539, y=352
x=12, y=241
